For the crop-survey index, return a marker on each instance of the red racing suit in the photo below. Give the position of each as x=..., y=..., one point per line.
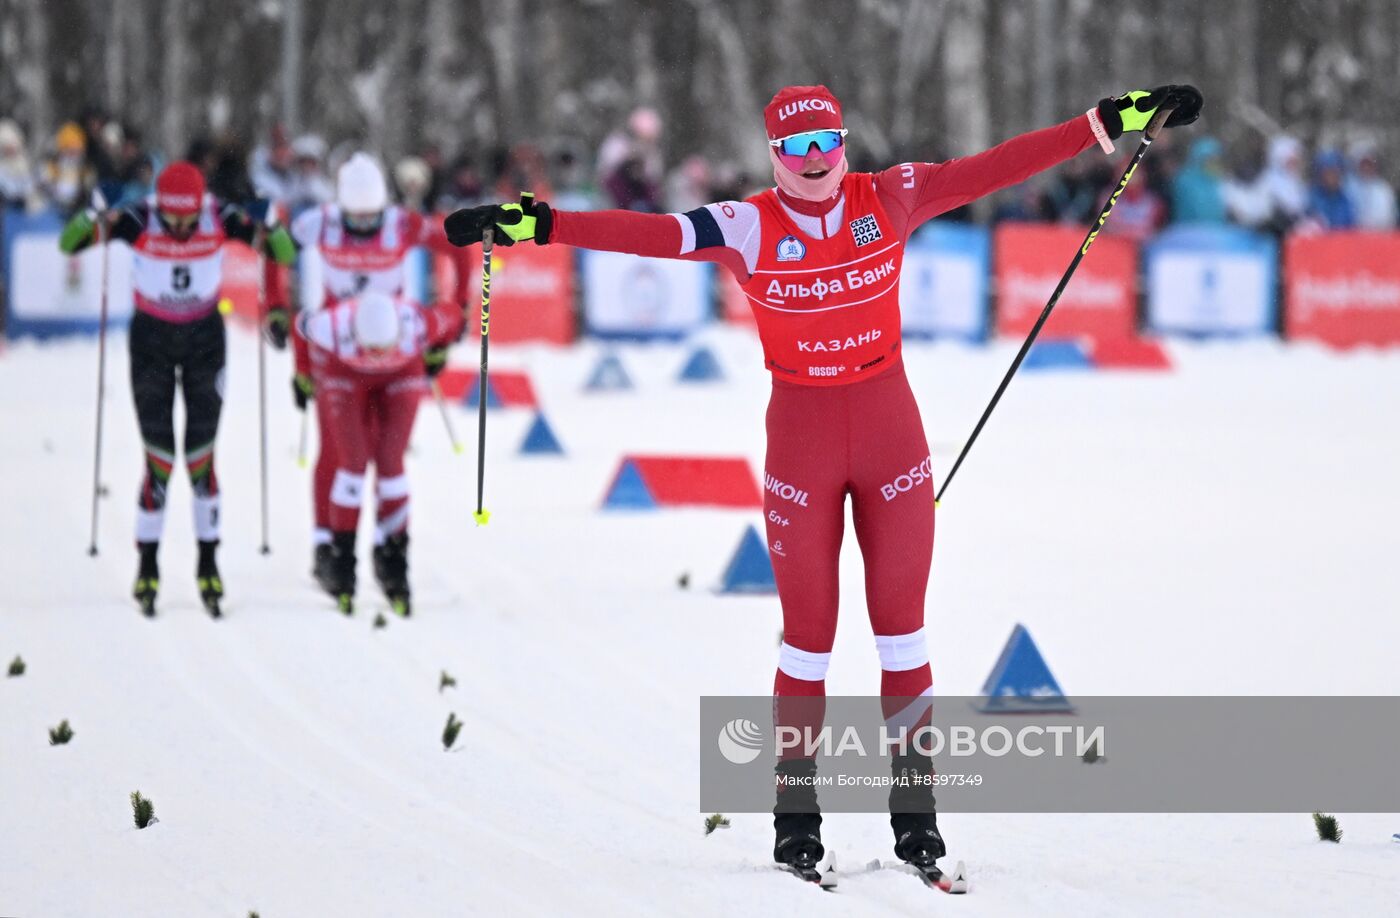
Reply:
x=351, y=264
x=823, y=282
x=366, y=404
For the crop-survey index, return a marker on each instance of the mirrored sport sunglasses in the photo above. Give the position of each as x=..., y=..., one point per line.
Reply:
x=799, y=144
x=179, y=223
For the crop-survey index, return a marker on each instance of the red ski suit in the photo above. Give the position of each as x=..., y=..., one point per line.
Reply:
x=351, y=264
x=823, y=281
x=366, y=404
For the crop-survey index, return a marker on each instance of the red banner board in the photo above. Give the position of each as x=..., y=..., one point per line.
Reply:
x=1100, y=301
x=1343, y=288
x=532, y=292
x=240, y=282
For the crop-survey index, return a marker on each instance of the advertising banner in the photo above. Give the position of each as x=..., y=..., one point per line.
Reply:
x=1100, y=301
x=1211, y=280
x=943, y=290
x=50, y=293
x=532, y=291
x=625, y=296
x=1343, y=288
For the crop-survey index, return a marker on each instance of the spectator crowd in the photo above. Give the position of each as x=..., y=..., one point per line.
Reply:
x=1274, y=186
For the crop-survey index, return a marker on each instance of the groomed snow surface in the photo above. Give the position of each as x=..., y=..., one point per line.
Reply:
x=1229, y=527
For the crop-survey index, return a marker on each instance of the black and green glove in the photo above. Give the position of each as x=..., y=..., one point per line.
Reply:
x=276, y=326
x=1133, y=110
x=77, y=232
x=434, y=359
x=303, y=390
x=530, y=219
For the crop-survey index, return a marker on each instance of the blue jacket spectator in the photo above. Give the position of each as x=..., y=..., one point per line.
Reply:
x=1328, y=201
x=1198, y=192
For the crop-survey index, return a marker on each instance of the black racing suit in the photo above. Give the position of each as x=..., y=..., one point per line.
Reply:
x=191, y=355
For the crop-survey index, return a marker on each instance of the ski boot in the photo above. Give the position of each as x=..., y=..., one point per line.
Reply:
x=147, y=579
x=321, y=564
x=391, y=570
x=211, y=585
x=335, y=570
x=797, y=821
x=914, y=818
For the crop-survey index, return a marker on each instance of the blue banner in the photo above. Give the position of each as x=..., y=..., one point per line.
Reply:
x=1212, y=280
x=49, y=293
x=943, y=291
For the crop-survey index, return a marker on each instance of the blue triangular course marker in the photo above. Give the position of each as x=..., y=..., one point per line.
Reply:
x=750, y=570
x=474, y=395
x=540, y=439
x=1021, y=682
x=608, y=376
x=1058, y=354
x=629, y=491
x=701, y=367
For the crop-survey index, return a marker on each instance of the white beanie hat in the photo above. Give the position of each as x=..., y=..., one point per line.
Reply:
x=376, y=321
x=360, y=187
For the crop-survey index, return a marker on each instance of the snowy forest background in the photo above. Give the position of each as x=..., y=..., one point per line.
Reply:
x=919, y=78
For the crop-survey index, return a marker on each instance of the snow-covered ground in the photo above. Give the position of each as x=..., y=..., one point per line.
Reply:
x=1225, y=528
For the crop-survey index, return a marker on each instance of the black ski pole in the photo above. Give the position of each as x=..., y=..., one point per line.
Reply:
x=1149, y=135
x=100, y=206
x=482, y=515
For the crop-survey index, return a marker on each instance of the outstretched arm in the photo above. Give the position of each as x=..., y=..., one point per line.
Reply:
x=725, y=233
x=922, y=191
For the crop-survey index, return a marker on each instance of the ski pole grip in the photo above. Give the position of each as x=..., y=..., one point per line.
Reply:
x=1158, y=120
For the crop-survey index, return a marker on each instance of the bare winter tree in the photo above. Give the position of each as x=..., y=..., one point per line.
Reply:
x=920, y=78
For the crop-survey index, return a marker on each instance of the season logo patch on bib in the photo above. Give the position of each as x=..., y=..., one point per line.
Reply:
x=790, y=248
x=866, y=230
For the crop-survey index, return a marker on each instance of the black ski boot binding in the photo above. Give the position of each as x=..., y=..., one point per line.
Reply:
x=211, y=585
x=147, y=579
x=335, y=570
x=797, y=820
x=391, y=570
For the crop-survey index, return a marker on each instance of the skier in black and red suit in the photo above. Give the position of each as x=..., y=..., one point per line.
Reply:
x=177, y=338
x=819, y=258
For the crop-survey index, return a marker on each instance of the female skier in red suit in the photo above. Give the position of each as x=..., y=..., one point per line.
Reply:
x=819, y=258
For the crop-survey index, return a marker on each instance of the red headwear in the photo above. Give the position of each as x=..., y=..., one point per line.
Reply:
x=180, y=189
x=796, y=109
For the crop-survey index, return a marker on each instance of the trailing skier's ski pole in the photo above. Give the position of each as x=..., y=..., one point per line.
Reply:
x=482, y=515
x=301, y=443
x=262, y=383
x=446, y=420
x=100, y=205
x=1149, y=135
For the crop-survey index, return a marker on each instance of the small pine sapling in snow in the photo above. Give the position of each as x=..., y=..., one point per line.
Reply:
x=17, y=666
x=449, y=732
x=60, y=734
x=142, y=809
x=716, y=821
x=1327, y=827
x=445, y=681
